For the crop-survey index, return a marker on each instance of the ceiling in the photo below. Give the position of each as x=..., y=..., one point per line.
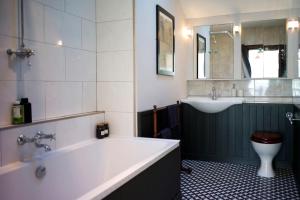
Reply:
x=208, y=8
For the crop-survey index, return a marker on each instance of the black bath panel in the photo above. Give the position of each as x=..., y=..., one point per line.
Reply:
x=296, y=163
x=225, y=136
x=161, y=181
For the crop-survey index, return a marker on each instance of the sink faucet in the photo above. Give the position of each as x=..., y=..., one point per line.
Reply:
x=37, y=140
x=214, y=93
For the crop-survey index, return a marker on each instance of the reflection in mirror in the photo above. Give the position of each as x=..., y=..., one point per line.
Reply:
x=214, y=51
x=201, y=49
x=264, y=49
x=299, y=53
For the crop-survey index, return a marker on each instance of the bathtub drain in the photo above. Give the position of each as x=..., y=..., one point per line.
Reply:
x=40, y=172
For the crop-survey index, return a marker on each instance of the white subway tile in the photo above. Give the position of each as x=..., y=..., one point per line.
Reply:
x=120, y=124
x=114, y=10
x=114, y=36
x=82, y=8
x=9, y=91
x=61, y=26
x=63, y=98
x=33, y=21
x=80, y=65
x=116, y=96
x=48, y=64
x=115, y=66
x=89, y=103
x=89, y=35
x=9, y=17
x=72, y=31
x=9, y=66
x=72, y=131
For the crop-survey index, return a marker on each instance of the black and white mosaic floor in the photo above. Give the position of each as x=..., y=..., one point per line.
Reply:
x=211, y=180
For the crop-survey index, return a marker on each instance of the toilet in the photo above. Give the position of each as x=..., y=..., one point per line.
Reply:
x=266, y=145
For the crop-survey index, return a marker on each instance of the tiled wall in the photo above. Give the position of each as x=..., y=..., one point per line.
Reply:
x=68, y=132
x=115, y=64
x=251, y=88
x=62, y=79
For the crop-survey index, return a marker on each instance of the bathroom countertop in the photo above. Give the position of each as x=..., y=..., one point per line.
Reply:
x=274, y=100
x=278, y=100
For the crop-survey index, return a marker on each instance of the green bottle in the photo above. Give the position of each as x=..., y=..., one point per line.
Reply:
x=17, y=113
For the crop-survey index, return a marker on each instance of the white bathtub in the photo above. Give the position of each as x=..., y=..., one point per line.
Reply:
x=89, y=170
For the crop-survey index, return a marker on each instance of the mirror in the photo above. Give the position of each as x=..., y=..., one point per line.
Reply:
x=215, y=53
x=299, y=52
x=264, y=49
x=201, y=50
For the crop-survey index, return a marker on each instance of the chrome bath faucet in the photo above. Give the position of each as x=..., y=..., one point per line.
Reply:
x=37, y=140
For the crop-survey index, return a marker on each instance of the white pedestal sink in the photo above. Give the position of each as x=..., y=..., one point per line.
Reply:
x=207, y=105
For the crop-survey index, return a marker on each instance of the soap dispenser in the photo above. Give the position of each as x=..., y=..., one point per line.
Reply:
x=233, y=90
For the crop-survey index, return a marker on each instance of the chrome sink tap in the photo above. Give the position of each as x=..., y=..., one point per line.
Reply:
x=214, y=93
x=37, y=140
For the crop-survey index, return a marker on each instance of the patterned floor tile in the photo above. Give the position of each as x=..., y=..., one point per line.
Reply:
x=212, y=180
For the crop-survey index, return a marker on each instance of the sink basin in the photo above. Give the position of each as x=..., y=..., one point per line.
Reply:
x=207, y=105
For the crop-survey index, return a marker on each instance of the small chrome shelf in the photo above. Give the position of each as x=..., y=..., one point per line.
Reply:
x=10, y=126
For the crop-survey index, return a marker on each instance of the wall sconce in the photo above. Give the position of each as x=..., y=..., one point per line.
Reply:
x=187, y=32
x=292, y=24
x=237, y=29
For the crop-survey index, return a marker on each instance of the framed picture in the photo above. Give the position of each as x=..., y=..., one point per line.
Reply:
x=201, y=50
x=165, y=42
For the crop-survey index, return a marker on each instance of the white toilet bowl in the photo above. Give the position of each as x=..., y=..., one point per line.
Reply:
x=266, y=153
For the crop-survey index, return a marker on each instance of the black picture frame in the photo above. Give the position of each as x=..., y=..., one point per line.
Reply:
x=203, y=48
x=165, y=42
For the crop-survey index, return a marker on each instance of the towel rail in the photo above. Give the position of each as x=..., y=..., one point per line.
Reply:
x=155, y=109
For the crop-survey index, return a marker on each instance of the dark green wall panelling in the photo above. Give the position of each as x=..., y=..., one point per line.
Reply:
x=296, y=163
x=225, y=136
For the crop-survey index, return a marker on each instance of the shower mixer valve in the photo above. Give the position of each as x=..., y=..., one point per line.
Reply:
x=22, y=52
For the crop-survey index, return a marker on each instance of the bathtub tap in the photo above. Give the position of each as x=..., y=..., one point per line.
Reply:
x=37, y=140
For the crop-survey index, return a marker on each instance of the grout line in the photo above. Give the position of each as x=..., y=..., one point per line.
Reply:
x=64, y=10
x=113, y=20
x=81, y=34
x=47, y=43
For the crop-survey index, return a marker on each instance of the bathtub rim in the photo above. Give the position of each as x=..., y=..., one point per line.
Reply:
x=117, y=181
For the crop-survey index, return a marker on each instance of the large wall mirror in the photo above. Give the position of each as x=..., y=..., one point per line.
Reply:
x=264, y=49
x=214, y=51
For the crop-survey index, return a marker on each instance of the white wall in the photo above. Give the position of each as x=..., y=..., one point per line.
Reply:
x=115, y=64
x=62, y=79
x=152, y=88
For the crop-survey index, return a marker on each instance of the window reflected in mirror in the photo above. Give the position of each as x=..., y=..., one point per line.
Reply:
x=299, y=54
x=264, y=49
x=201, y=50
